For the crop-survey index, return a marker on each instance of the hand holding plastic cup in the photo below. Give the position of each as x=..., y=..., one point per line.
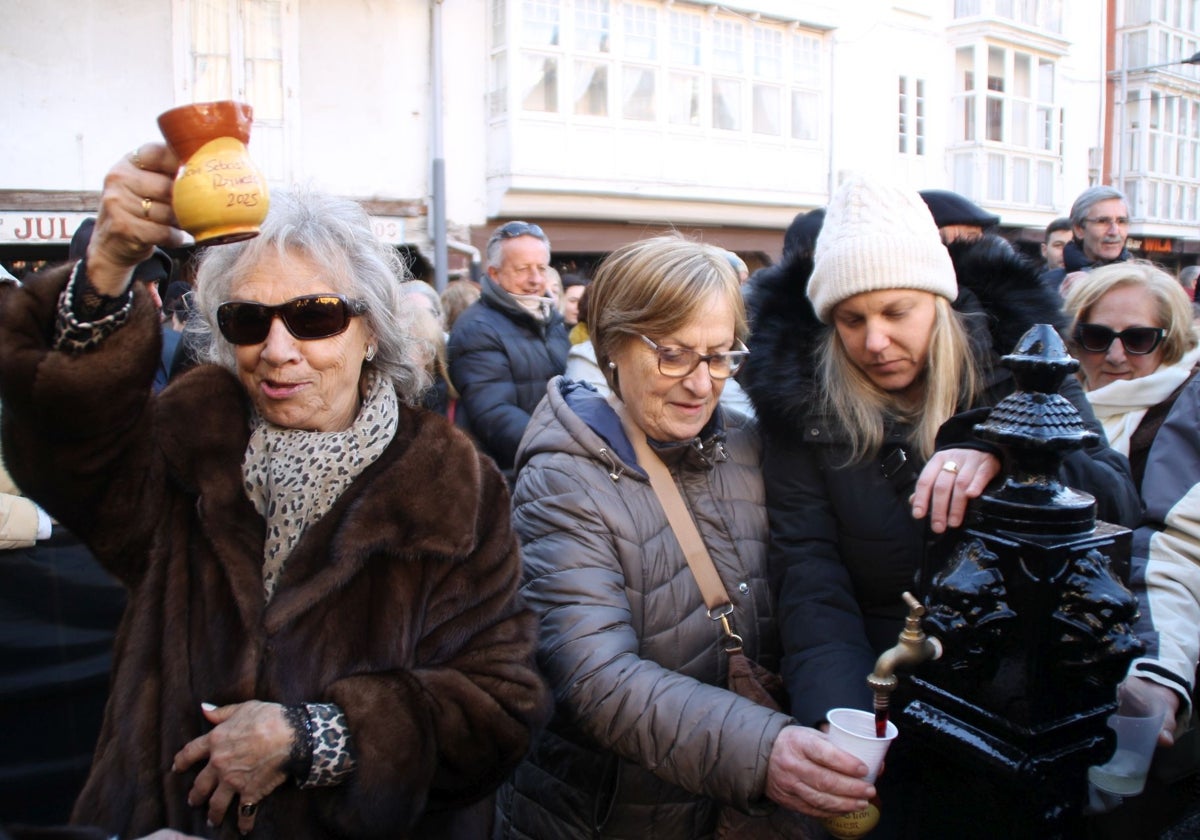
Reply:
x=853, y=730
x=1137, y=734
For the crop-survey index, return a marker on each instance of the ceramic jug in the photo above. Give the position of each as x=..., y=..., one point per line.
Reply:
x=220, y=195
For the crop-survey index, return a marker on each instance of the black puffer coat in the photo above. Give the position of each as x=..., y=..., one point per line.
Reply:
x=501, y=358
x=844, y=545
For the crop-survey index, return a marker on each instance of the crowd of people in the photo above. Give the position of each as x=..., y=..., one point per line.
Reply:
x=408, y=564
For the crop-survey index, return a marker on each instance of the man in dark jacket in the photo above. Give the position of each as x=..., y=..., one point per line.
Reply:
x=508, y=344
x=1100, y=222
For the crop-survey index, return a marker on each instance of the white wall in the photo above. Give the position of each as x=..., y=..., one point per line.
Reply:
x=83, y=84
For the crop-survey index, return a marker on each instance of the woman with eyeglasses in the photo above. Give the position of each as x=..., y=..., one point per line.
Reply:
x=646, y=740
x=324, y=636
x=1132, y=331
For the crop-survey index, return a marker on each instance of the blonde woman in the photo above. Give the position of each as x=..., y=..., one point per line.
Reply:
x=868, y=388
x=1131, y=329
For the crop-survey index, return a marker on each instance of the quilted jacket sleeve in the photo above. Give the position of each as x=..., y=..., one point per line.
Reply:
x=700, y=737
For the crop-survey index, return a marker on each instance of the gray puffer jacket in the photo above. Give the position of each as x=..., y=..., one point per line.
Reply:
x=645, y=740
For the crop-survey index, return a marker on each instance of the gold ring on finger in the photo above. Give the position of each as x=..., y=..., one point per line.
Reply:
x=146, y=205
x=950, y=466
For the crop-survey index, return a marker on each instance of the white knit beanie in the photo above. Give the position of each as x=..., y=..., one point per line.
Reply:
x=877, y=236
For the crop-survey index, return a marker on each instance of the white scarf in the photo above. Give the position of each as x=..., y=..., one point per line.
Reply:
x=294, y=476
x=1120, y=405
x=536, y=305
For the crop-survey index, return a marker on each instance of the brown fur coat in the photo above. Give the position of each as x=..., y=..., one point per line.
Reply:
x=400, y=604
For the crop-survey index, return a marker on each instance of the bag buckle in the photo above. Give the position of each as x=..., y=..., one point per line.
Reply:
x=733, y=642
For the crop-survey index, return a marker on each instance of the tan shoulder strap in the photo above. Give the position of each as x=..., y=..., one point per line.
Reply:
x=698, y=559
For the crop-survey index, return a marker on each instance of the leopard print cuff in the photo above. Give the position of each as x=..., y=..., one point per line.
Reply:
x=329, y=738
x=74, y=332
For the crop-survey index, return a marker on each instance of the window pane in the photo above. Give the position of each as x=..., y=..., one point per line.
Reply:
x=262, y=37
x=1045, y=183
x=498, y=98
x=768, y=53
x=1022, y=75
x=964, y=63
x=805, y=113
x=539, y=23
x=683, y=102
x=211, y=50
x=637, y=93
x=995, y=118
x=1020, y=191
x=727, y=104
x=768, y=108
x=591, y=88
x=966, y=117
x=685, y=39
x=995, y=184
x=499, y=22
x=806, y=60
x=1020, y=124
x=920, y=120
x=727, y=46
x=641, y=33
x=591, y=25
x=539, y=82
x=902, y=111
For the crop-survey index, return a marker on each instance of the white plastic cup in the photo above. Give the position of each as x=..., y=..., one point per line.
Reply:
x=853, y=730
x=1125, y=773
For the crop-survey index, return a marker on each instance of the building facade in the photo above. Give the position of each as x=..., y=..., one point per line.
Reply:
x=607, y=120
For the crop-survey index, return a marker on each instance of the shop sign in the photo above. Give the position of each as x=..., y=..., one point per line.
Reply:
x=48, y=228
x=19, y=227
x=1153, y=245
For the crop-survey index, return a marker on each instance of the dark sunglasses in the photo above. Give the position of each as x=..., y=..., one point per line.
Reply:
x=1137, y=341
x=515, y=229
x=307, y=318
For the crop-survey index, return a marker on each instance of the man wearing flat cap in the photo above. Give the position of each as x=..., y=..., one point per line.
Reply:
x=957, y=217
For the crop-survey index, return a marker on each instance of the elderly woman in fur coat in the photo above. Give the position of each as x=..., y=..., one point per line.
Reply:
x=868, y=378
x=324, y=635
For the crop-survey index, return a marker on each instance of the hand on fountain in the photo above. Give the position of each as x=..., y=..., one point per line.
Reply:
x=807, y=773
x=1141, y=696
x=951, y=479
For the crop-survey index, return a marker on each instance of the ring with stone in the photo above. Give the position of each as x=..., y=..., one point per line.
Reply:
x=950, y=466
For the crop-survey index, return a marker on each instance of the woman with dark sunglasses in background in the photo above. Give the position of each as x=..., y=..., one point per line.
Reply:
x=323, y=637
x=1131, y=329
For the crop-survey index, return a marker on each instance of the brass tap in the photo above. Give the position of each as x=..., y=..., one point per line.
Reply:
x=913, y=648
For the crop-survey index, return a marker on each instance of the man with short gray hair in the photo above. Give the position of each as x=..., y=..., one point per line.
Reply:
x=1100, y=223
x=507, y=345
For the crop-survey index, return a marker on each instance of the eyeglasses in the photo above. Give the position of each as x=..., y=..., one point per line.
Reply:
x=678, y=362
x=1138, y=341
x=1107, y=221
x=515, y=229
x=307, y=318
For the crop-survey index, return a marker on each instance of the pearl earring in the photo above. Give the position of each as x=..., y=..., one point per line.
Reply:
x=612, y=365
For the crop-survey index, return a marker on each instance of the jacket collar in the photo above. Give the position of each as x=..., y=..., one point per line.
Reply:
x=1075, y=260
x=996, y=285
x=497, y=298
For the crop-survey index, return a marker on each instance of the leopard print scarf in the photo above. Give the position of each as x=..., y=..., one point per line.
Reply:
x=293, y=476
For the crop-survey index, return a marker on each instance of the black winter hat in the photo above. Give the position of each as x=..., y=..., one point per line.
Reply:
x=950, y=208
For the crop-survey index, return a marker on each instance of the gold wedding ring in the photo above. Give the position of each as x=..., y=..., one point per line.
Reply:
x=146, y=205
x=950, y=466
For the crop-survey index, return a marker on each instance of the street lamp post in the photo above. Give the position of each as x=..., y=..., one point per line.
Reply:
x=1125, y=71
